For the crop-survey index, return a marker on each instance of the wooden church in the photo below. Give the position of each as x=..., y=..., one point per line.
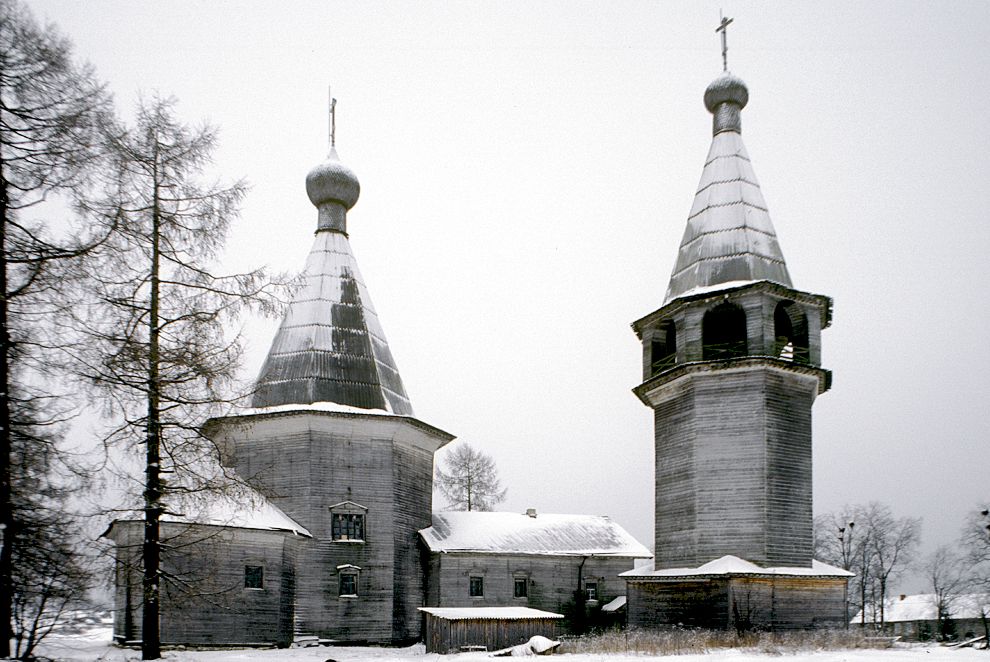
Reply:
x=343, y=545
x=336, y=540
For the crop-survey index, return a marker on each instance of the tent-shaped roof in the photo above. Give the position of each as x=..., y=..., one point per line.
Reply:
x=331, y=346
x=729, y=239
x=512, y=533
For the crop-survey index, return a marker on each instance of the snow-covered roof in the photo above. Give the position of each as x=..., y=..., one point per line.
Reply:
x=614, y=605
x=921, y=607
x=332, y=407
x=514, y=533
x=246, y=509
x=733, y=565
x=488, y=613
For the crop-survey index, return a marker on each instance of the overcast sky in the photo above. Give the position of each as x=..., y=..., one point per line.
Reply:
x=526, y=171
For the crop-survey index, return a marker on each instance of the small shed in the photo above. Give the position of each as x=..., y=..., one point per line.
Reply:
x=454, y=629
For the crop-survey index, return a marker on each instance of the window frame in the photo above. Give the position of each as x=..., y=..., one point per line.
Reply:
x=524, y=583
x=348, y=523
x=476, y=586
x=260, y=578
x=351, y=574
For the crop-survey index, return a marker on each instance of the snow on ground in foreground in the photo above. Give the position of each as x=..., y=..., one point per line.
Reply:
x=94, y=646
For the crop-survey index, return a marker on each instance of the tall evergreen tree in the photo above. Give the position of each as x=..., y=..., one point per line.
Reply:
x=51, y=109
x=155, y=334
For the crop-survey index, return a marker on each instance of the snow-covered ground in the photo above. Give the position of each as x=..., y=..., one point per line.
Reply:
x=94, y=646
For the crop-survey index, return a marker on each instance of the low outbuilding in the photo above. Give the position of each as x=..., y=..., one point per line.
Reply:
x=457, y=629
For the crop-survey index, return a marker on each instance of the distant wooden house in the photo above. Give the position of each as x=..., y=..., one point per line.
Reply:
x=481, y=559
x=915, y=617
x=452, y=630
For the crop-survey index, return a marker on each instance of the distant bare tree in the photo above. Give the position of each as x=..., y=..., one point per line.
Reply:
x=470, y=481
x=50, y=112
x=894, y=543
x=945, y=573
x=842, y=539
x=975, y=543
x=155, y=342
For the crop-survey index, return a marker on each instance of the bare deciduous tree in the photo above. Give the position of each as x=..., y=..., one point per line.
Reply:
x=50, y=111
x=841, y=542
x=470, y=481
x=944, y=570
x=894, y=543
x=975, y=543
x=155, y=333
x=869, y=541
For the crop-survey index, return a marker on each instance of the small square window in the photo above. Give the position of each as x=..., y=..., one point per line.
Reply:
x=520, y=587
x=591, y=588
x=345, y=526
x=348, y=584
x=254, y=576
x=477, y=587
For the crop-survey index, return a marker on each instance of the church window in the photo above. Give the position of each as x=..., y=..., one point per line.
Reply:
x=520, y=587
x=347, y=526
x=348, y=584
x=347, y=580
x=477, y=587
x=723, y=333
x=254, y=576
x=790, y=326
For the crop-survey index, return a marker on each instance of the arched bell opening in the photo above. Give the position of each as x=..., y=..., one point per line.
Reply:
x=723, y=333
x=790, y=326
x=663, y=348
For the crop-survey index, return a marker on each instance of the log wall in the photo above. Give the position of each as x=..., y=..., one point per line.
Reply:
x=749, y=603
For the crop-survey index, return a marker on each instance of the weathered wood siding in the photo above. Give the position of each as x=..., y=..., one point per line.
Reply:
x=307, y=462
x=204, y=601
x=448, y=636
x=412, y=481
x=552, y=580
x=778, y=603
x=733, y=467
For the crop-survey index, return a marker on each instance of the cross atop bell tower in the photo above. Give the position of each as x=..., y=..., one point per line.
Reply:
x=725, y=48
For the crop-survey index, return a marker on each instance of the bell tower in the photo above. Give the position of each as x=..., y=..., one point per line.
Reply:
x=731, y=369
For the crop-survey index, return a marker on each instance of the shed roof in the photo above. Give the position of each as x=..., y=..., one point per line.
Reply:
x=488, y=613
x=514, y=533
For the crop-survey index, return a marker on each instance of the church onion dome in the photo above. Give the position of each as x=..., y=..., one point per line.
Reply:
x=726, y=89
x=332, y=181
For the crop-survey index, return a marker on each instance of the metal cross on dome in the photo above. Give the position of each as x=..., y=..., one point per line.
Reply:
x=333, y=118
x=725, y=49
